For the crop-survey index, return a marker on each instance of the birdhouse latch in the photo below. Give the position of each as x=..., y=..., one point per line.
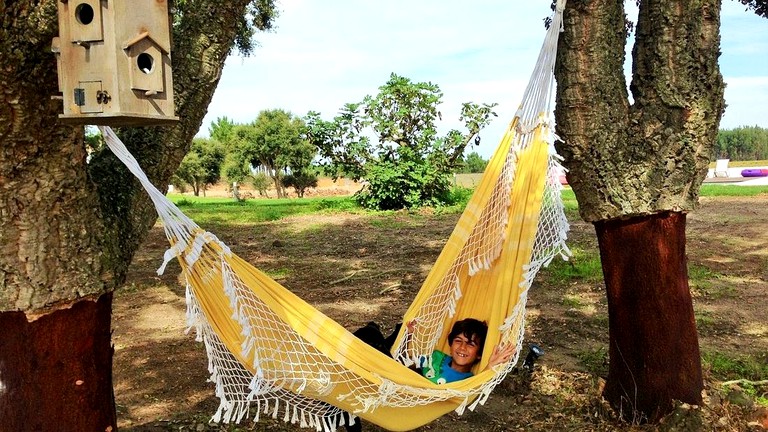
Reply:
x=79, y=97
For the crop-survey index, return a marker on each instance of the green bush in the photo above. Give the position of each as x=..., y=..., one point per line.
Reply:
x=339, y=204
x=300, y=182
x=184, y=203
x=394, y=185
x=407, y=163
x=459, y=196
x=261, y=182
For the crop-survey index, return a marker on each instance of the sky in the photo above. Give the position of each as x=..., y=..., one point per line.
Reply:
x=322, y=55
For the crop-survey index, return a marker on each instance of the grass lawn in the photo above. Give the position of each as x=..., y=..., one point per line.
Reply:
x=216, y=210
x=228, y=211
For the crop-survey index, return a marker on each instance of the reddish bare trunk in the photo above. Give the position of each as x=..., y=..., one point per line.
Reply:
x=56, y=366
x=654, y=347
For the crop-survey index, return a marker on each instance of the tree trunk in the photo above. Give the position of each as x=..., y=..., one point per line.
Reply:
x=55, y=366
x=70, y=226
x=278, y=185
x=635, y=167
x=654, y=347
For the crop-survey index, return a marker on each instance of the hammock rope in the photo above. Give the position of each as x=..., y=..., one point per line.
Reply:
x=271, y=353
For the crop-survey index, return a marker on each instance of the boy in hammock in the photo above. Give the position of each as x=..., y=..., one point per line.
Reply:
x=467, y=338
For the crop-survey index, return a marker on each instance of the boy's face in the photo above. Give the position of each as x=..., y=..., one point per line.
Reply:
x=464, y=352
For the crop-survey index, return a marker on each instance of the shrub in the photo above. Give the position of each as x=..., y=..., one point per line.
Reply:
x=261, y=182
x=300, y=182
x=395, y=185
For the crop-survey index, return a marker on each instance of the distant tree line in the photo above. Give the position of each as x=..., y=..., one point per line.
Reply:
x=742, y=143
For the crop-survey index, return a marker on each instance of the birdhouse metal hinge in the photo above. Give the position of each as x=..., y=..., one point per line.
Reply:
x=79, y=97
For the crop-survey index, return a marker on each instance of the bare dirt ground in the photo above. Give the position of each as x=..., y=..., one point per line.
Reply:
x=356, y=273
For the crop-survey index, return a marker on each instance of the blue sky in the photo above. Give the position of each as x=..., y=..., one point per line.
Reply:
x=325, y=54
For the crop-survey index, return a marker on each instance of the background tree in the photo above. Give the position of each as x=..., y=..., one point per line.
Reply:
x=261, y=182
x=301, y=181
x=303, y=172
x=408, y=164
x=201, y=167
x=222, y=129
x=636, y=169
x=473, y=163
x=64, y=254
x=234, y=169
x=274, y=141
x=344, y=150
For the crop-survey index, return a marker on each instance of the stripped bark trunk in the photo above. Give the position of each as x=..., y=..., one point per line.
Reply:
x=56, y=371
x=653, y=347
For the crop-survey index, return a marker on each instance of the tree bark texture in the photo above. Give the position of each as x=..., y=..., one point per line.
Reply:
x=635, y=165
x=56, y=372
x=49, y=254
x=203, y=34
x=654, y=348
x=628, y=159
x=70, y=226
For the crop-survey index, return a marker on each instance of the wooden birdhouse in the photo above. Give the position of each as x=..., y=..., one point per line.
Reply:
x=114, y=63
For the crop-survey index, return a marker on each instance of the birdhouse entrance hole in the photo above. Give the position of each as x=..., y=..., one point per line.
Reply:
x=84, y=13
x=145, y=62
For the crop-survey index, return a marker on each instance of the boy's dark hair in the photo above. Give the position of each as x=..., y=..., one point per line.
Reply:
x=470, y=327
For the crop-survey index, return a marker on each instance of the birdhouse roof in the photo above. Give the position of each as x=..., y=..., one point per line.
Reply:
x=145, y=35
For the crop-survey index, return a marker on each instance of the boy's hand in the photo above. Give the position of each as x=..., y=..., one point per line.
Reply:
x=411, y=325
x=501, y=354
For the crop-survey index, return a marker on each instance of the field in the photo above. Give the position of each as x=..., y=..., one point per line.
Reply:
x=358, y=266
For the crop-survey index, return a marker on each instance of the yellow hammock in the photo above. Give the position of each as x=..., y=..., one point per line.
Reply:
x=271, y=353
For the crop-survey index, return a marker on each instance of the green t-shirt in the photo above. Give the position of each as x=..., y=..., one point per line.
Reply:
x=439, y=370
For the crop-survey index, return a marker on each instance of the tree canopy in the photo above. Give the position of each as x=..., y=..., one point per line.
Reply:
x=222, y=129
x=201, y=167
x=760, y=7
